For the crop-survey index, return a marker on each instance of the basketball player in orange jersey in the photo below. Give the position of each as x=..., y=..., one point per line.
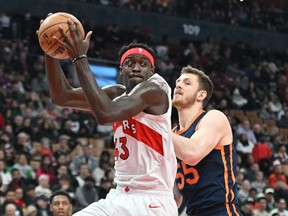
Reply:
x=140, y=113
x=206, y=157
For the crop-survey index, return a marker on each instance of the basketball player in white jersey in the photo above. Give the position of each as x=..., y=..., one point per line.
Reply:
x=145, y=162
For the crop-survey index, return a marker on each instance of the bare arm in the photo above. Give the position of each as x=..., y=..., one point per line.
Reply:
x=63, y=94
x=142, y=97
x=214, y=129
x=146, y=96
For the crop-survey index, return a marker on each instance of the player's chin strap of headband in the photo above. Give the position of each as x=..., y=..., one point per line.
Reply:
x=139, y=51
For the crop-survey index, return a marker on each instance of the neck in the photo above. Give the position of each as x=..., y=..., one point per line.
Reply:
x=186, y=115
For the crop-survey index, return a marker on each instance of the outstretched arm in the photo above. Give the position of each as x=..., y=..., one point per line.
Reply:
x=214, y=129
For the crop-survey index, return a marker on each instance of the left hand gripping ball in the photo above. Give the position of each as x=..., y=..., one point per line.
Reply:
x=50, y=28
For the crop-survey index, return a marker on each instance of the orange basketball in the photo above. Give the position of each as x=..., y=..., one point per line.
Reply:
x=50, y=28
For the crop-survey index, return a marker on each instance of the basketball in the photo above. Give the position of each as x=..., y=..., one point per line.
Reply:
x=50, y=28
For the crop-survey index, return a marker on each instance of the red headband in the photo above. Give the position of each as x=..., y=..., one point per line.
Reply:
x=137, y=50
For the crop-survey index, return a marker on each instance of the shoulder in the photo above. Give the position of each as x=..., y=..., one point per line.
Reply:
x=216, y=114
x=215, y=118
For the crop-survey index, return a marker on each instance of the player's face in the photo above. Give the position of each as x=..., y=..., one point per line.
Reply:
x=136, y=69
x=61, y=206
x=185, y=91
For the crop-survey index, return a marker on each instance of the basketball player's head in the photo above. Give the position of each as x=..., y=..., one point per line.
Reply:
x=61, y=204
x=137, y=63
x=193, y=86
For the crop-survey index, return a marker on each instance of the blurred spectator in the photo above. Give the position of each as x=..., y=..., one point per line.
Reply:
x=104, y=188
x=87, y=193
x=45, y=149
x=105, y=170
x=87, y=158
x=275, y=106
x=31, y=210
x=281, y=191
x=262, y=154
x=46, y=130
x=244, y=191
x=245, y=128
x=27, y=128
x=262, y=205
x=30, y=195
x=19, y=198
x=66, y=145
x=283, y=121
x=5, y=176
x=10, y=199
x=65, y=184
x=46, y=167
x=82, y=174
x=252, y=169
x=67, y=129
x=258, y=132
x=42, y=206
x=23, y=166
x=11, y=210
x=23, y=144
x=244, y=146
x=276, y=175
x=281, y=154
x=43, y=187
x=269, y=195
x=17, y=180
x=259, y=183
x=280, y=208
x=247, y=207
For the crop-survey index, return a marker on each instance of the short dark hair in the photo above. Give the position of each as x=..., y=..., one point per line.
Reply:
x=124, y=48
x=63, y=193
x=204, y=81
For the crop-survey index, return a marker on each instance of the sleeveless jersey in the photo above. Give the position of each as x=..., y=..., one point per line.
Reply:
x=211, y=183
x=144, y=152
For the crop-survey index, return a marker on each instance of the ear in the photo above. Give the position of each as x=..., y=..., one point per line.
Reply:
x=153, y=70
x=121, y=70
x=201, y=95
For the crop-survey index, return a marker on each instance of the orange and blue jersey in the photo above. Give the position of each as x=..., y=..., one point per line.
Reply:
x=209, y=188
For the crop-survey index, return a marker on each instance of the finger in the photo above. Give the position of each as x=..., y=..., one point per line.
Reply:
x=72, y=28
x=63, y=34
x=59, y=41
x=88, y=36
x=49, y=14
x=78, y=31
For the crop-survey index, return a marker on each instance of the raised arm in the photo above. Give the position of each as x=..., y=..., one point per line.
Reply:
x=63, y=94
x=214, y=129
x=146, y=96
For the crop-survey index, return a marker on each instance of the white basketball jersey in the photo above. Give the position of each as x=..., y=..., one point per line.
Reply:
x=144, y=152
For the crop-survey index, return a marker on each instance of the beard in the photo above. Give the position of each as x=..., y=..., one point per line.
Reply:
x=180, y=102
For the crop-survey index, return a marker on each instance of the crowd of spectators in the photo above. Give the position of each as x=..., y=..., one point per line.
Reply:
x=44, y=148
x=260, y=14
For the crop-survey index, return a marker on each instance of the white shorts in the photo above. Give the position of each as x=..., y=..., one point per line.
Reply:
x=131, y=203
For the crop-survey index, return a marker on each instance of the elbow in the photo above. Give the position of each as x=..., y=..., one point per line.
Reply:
x=101, y=118
x=57, y=101
x=190, y=160
x=60, y=101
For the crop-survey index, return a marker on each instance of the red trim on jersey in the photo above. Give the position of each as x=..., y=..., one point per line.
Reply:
x=143, y=133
